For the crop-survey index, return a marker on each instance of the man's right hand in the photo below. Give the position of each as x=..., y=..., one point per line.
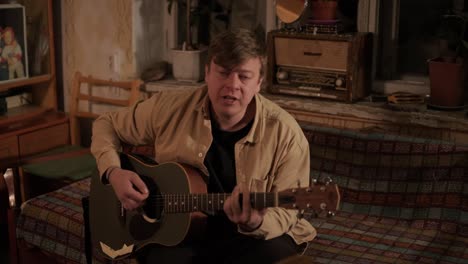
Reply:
x=128, y=187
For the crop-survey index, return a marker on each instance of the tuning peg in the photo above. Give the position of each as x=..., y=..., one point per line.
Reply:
x=328, y=180
x=300, y=214
x=330, y=214
x=323, y=206
x=314, y=181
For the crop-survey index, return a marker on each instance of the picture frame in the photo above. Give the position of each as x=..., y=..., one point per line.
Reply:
x=13, y=43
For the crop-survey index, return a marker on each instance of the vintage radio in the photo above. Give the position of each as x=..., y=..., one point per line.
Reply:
x=332, y=66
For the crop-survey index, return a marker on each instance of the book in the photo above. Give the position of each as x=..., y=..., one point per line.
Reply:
x=18, y=100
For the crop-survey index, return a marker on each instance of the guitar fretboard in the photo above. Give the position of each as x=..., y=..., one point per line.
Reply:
x=186, y=203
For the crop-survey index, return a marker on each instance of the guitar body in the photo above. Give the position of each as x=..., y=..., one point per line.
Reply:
x=117, y=232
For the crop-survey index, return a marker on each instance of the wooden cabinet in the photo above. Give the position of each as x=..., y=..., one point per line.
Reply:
x=43, y=139
x=40, y=83
x=26, y=137
x=30, y=129
x=9, y=147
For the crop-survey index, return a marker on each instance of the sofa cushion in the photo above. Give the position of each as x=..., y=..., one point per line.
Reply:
x=402, y=198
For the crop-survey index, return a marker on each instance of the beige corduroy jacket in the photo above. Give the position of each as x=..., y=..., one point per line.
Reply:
x=273, y=156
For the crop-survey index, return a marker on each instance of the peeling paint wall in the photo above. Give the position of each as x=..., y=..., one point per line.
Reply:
x=148, y=36
x=96, y=34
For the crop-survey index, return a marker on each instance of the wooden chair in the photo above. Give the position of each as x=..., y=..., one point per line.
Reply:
x=55, y=168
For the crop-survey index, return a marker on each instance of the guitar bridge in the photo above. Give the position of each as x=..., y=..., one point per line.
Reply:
x=122, y=215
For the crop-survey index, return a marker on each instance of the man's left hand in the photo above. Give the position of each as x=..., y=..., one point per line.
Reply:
x=245, y=216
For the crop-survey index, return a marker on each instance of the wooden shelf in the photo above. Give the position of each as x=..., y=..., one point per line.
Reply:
x=413, y=120
x=24, y=118
x=21, y=113
x=24, y=82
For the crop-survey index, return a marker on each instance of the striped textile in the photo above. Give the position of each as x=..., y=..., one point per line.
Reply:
x=53, y=222
x=403, y=200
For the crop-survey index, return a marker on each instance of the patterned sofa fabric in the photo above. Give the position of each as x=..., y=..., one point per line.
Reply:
x=404, y=200
x=53, y=222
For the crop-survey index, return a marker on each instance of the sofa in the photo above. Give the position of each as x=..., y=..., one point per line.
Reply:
x=403, y=200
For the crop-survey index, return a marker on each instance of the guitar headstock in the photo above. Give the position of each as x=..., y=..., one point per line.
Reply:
x=320, y=197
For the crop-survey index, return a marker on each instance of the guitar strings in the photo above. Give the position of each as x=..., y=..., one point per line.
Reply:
x=164, y=199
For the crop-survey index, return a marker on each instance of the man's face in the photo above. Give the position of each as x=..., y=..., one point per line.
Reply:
x=231, y=90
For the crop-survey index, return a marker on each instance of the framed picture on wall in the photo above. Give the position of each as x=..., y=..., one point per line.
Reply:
x=13, y=48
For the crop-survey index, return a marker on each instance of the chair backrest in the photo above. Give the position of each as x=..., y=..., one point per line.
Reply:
x=93, y=96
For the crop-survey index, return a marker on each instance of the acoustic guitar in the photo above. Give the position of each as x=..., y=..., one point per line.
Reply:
x=173, y=212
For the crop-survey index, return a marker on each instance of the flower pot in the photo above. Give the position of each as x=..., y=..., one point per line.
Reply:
x=189, y=65
x=447, y=82
x=324, y=10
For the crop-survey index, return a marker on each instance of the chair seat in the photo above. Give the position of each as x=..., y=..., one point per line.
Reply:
x=76, y=163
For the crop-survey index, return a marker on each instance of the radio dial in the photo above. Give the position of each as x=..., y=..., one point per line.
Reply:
x=282, y=75
x=339, y=82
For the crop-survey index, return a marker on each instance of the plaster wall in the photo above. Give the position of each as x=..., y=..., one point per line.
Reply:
x=98, y=34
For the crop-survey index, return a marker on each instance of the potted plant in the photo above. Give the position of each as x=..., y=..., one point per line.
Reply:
x=447, y=72
x=324, y=9
x=188, y=61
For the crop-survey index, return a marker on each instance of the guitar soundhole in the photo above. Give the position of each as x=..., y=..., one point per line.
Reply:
x=145, y=225
x=154, y=205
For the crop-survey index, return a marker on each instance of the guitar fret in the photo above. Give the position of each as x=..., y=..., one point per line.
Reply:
x=210, y=202
x=204, y=203
x=168, y=202
x=171, y=199
x=174, y=203
x=179, y=203
x=173, y=209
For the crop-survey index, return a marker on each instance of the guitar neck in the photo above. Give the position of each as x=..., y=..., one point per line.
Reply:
x=186, y=203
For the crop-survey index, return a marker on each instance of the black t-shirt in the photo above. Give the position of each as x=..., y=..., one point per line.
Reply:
x=221, y=165
x=220, y=160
